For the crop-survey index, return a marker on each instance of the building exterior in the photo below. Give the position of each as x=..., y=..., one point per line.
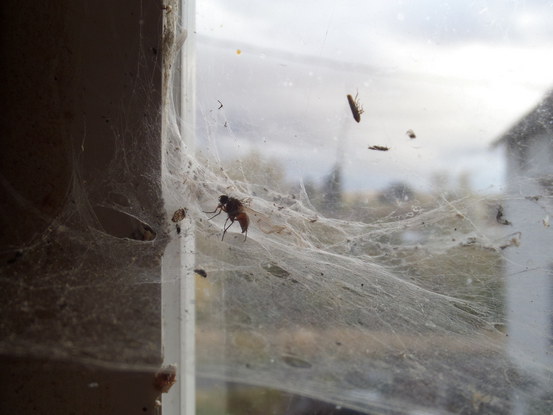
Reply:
x=529, y=264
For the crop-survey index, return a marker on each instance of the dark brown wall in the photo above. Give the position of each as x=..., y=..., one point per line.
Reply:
x=81, y=219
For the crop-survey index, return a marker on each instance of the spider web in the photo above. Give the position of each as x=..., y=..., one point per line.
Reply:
x=386, y=302
x=335, y=308
x=396, y=300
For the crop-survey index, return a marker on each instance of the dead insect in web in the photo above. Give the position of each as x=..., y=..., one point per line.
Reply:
x=165, y=378
x=355, y=106
x=235, y=211
x=179, y=215
x=411, y=134
x=499, y=217
x=201, y=272
x=379, y=148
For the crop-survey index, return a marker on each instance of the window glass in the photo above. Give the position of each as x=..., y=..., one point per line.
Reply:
x=394, y=162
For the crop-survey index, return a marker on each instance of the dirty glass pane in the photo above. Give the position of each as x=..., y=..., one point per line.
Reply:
x=394, y=162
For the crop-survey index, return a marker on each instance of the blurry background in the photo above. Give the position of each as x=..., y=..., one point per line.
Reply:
x=462, y=210
x=458, y=74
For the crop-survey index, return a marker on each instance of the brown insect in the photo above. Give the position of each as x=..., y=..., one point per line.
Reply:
x=165, y=378
x=179, y=215
x=379, y=148
x=355, y=106
x=411, y=134
x=235, y=211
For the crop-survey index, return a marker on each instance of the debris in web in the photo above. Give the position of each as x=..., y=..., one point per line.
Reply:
x=500, y=216
x=379, y=148
x=165, y=378
x=179, y=215
x=201, y=272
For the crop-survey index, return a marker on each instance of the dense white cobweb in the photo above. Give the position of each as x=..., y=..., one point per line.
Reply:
x=399, y=314
x=344, y=311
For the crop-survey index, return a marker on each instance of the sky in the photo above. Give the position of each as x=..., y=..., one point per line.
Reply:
x=458, y=73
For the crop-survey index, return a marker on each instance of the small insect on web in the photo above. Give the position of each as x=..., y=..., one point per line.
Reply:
x=379, y=148
x=355, y=106
x=235, y=211
x=178, y=216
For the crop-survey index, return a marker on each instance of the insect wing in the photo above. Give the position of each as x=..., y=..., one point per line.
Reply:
x=263, y=222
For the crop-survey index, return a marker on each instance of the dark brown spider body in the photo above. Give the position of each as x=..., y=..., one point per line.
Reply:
x=235, y=211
